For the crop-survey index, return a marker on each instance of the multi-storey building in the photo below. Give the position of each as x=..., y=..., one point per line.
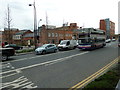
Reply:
x=55, y=35
x=1, y=36
x=23, y=37
x=8, y=35
x=108, y=26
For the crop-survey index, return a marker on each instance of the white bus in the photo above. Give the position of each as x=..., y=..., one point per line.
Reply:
x=90, y=38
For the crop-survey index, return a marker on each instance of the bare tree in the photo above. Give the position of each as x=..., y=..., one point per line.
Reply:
x=7, y=29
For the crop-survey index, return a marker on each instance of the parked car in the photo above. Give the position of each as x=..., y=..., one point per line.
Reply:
x=16, y=47
x=113, y=39
x=108, y=40
x=118, y=44
x=46, y=48
x=6, y=52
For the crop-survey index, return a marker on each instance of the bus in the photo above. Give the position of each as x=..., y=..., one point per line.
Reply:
x=90, y=38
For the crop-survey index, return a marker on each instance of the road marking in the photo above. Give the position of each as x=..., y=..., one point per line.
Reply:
x=93, y=76
x=8, y=75
x=5, y=65
x=19, y=83
x=35, y=57
x=44, y=63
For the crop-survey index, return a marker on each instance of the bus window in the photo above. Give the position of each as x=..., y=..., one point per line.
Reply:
x=84, y=41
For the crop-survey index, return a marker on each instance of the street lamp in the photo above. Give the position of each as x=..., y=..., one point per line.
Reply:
x=38, y=36
x=35, y=24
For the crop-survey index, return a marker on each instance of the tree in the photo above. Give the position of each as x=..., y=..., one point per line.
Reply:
x=7, y=30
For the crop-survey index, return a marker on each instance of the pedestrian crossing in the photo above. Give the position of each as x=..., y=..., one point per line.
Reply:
x=19, y=83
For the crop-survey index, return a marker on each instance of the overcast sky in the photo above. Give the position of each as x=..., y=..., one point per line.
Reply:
x=85, y=13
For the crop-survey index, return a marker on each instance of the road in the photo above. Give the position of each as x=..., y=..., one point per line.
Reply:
x=63, y=69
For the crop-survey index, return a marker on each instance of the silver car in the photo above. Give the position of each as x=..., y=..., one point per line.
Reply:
x=46, y=48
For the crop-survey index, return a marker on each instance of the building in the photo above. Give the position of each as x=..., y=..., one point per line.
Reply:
x=28, y=39
x=55, y=35
x=22, y=37
x=1, y=35
x=8, y=34
x=108, y=26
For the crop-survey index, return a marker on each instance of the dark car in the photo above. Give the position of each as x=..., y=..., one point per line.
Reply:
x=6, y=52
x=46, y=48
x=119, y=45
x=16, y=47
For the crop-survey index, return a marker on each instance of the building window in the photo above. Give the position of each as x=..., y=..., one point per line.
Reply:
x=53, y=41
x=56, y=35
x=59, y=35
x=67, y=35
x=49, y=41
x=53, y=35
x=49, y=34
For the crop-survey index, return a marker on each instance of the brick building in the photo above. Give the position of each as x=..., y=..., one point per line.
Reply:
x=22, y=37
x=55, y=35
x=8, y=35
x=108, y=26
x=1, y=35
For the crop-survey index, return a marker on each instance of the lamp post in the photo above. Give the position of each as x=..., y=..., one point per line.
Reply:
x=38, y=31
x=35, y=24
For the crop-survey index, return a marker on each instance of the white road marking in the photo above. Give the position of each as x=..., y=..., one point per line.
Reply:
x=35, y=57
x=5, y=65
x=45, y=63
x=19, y=83
x=8, y=75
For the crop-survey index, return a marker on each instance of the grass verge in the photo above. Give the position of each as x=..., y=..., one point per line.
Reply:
x=25, y=50
x=107, y=81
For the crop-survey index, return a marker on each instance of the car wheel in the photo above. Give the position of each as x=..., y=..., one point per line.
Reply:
x=43, y=52
x=4, y=57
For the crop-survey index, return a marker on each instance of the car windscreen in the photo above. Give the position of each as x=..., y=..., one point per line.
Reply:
x=63, y=42
x=43, y=46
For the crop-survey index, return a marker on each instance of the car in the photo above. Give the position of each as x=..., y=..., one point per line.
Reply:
x=119, y=45
x=6, y=52
x=113, y=39
x=16, y=47
x=46, y=48
x=108, y=40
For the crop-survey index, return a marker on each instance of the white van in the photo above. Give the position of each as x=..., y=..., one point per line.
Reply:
x=67, y=44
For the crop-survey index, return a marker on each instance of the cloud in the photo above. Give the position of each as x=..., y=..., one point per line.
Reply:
x=88, y=12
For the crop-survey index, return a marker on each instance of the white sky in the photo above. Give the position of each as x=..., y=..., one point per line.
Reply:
x=82, y=12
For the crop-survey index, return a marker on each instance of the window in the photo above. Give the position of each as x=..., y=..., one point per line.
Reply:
x=49, y=34
x=53, y=35
x=56, y=35
x=53, y=41
x=68, y=43
x=50, y=46
x=67, y=35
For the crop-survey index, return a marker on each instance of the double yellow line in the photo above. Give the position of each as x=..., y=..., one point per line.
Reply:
x=93, y=76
